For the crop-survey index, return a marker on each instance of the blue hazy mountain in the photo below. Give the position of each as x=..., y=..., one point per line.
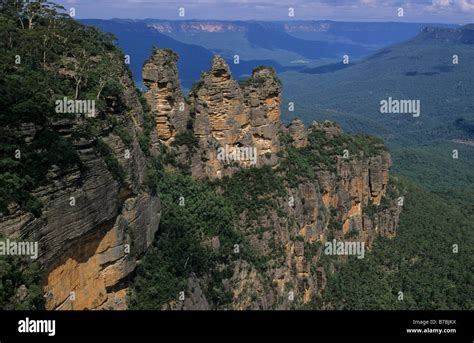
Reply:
x=272, y=36
x=423, y=68
x=289, y=42
x=435, y=68
x=369, y=34
x=137, y=39
x=284, y=46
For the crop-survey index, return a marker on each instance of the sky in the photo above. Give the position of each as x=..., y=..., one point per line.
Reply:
x=439, y=11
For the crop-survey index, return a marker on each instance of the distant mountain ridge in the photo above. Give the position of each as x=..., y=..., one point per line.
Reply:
x=371, y=33
x=463, y=35
x=283, y=45
x=194, y=59
x=422, y=68
x=437, y=68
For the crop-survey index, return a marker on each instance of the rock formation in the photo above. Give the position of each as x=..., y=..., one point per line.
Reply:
x=225, y=114
x=343, y=200
x=164, y=96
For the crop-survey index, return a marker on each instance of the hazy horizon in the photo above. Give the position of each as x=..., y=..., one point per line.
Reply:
x=415, y=11
x=282, y=20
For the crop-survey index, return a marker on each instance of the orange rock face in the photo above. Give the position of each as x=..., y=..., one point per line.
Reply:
x=89, y=276
x=164, y=95
x=78, y=283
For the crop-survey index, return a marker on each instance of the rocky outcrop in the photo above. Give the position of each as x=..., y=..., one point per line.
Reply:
x=263, y=97
x=91, y=274
x=164, y=95
x=298, y=133
x=226, y=115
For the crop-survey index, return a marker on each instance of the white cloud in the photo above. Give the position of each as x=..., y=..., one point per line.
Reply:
x=442, y=3
x=466, y=5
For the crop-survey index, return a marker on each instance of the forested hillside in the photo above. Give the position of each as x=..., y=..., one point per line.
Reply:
x=430, y=261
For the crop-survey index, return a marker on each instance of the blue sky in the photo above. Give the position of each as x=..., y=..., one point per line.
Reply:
x=443, y=11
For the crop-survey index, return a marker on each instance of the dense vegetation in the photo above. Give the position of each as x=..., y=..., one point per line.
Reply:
x=434, y=167
x=192, y=214
x=253, y=190
x=421, y=261
x=19, y=284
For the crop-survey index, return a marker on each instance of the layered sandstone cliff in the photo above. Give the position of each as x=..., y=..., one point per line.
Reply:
x=93, y=227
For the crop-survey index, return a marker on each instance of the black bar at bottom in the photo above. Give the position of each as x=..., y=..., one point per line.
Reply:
x=448, y=326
